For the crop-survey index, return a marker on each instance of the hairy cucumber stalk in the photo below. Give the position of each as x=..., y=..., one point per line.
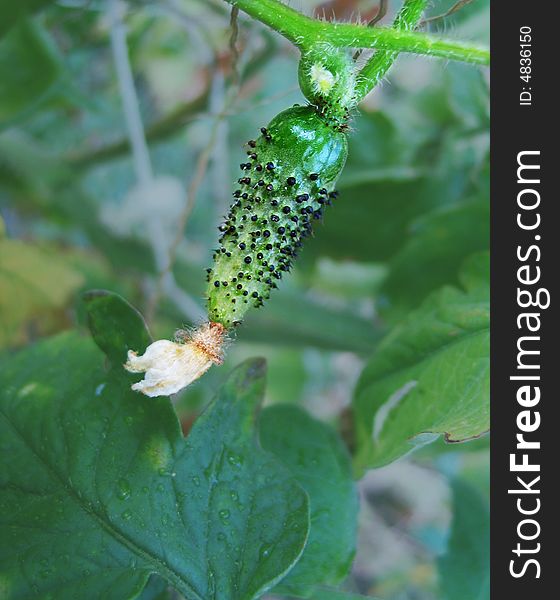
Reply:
x=286, y=183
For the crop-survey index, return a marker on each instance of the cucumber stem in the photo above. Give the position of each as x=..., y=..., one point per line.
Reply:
x=305, y=32
x=378, y=65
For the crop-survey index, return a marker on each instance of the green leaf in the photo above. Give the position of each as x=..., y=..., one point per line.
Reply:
x=35, y=285
x=464, y=571
x=100, y=489
x=293, y=319
x=375, y=143
x=29, y=167
x=469, y=95
x=316, y=457
x=11, y=12
x=115, y=325
x=380, y=199
x=430, y=376
x=368, y=220
x=156, y=589
x=441, y=448
x=37, y=70
x=438, y=245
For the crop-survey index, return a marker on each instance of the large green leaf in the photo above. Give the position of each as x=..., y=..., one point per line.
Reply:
x=437, y=246
x=100, y=489
x=464, y=571
x=315, y=455
x=430, y=376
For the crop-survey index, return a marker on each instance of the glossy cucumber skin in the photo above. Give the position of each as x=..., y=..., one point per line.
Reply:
x=286, y=183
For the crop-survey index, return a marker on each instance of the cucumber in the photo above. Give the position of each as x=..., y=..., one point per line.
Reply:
x=286, y=183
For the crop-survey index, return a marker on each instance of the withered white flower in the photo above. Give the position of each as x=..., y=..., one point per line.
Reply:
x=171, y=366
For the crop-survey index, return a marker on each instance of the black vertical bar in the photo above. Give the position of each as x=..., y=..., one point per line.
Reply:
x=524, y=121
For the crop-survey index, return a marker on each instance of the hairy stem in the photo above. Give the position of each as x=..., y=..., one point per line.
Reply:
x=383, y=38
x=305, y=32
x=168, y=125
x=378, y=65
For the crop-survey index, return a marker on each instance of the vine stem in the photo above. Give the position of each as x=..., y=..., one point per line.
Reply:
x=304, y=32
x=378, y=65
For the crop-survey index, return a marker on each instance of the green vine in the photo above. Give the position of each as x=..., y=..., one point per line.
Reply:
x=381, y=61
x=305, y=32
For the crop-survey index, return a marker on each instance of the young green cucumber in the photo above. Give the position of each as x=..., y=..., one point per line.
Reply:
x=286, y=183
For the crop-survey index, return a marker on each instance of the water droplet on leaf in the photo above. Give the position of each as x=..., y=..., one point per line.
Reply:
x=123, y=492
x=224, y=515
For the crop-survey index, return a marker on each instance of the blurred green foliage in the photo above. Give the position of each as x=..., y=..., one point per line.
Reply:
x=468, y=547
x=413, y=211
